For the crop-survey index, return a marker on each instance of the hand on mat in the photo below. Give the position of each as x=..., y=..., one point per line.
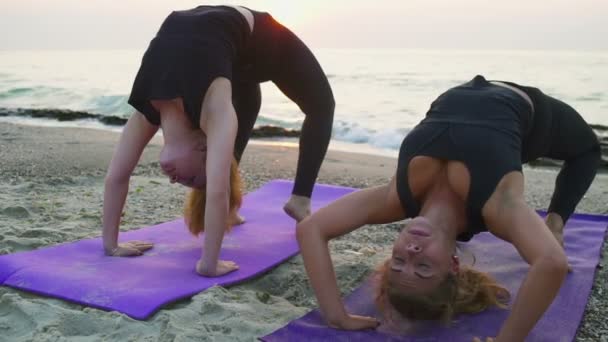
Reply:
x=130, y=248
x=223, y=267
x=488, y=339
x=355, y=322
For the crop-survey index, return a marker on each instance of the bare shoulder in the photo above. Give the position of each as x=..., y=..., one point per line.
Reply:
x=138, y=122
x=506, y=201
x=388, y=206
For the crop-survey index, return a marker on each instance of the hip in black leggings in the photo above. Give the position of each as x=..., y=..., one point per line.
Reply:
x=274, y=53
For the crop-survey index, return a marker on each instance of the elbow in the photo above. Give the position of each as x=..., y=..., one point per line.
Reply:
x=113, y=179
x=556, y=264
x=334, y=321
x=302, y=229
x=305, y=229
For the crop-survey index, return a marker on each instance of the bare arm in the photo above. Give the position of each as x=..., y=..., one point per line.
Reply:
x=220, y=122
x=135, y=136
x=369, y=206
x=516, y=222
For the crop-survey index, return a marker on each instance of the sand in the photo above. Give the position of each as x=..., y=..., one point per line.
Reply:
x=51, y=187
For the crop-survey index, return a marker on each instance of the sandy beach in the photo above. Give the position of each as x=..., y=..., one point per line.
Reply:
x=51, y=188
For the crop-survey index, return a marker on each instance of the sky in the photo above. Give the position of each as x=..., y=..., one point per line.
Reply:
x=417, y=24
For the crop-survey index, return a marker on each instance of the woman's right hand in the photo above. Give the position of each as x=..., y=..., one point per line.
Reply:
x=355, y=322
x=130, y=248
x=488, y=339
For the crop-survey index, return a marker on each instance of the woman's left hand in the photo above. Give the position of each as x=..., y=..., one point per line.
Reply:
x=355, y=322
x=488, y=339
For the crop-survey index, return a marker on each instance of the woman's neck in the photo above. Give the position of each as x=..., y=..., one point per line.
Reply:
x=176, y=128
x=445, y=210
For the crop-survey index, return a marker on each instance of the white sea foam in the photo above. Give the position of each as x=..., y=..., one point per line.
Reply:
x=380, y=94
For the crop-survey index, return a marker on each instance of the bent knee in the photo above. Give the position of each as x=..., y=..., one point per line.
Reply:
x=322, y=106
x=330, y=104
x=304, y=228
x=301, y=228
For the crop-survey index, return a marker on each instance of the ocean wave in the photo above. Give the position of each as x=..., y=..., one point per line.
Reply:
x=291, y=124
x=61, y=115
x=344, y=132
x=593, y=97
x=109, y=105
x=108, y=101
x=39, y=97
x=27, y=92
x=42, y=97
x=354, y=133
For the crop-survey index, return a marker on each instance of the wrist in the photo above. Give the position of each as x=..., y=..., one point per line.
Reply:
x=509, y=334
x=336, y=321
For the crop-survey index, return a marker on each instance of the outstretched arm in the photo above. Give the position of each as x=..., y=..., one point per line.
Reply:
x=219, y=121
x=510, y=218
x=369, y=206
x=135, y=136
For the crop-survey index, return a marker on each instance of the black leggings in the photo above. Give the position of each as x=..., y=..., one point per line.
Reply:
x=300, y=77
x=574, y=142
x=303, y=81
x=246, y=99
x=574, y=180
x=314, y=139
x=559, y=132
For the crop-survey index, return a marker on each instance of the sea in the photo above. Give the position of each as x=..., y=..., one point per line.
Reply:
x=381, y=94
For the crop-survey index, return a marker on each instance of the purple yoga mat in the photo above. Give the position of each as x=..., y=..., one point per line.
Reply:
x=584, y=235
x=79, y=271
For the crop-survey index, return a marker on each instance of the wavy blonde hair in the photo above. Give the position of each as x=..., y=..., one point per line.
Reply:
x=468, y=291
x=194, y=208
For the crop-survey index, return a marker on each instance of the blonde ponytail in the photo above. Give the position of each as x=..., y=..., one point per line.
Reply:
x=469, y=291
x=194, y=207
x=477, y=291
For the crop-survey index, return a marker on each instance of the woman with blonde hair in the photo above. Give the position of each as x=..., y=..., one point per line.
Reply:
x=460, y=173
x=199, y=82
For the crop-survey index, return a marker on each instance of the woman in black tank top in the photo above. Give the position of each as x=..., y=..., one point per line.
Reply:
x=199, y=82
x=459, y=173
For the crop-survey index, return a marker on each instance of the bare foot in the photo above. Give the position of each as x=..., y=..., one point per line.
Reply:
x=235, y=219
x=298, y=207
